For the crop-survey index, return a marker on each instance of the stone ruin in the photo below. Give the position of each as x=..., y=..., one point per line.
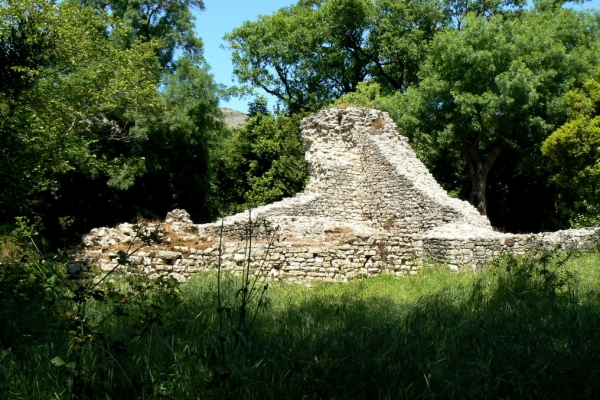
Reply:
x=370, y=207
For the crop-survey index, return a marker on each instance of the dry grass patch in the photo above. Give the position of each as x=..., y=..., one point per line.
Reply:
x=205, y=245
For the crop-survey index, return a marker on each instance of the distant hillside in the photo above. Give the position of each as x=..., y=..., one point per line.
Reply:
x=233, y=118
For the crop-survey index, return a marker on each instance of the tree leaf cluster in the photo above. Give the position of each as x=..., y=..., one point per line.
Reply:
x=496, y=85
x=491, y=89
x=98, y=119
x=261, y=162
x=62, y=110
x=168, y=21
x=574, y=151
x=317, y=50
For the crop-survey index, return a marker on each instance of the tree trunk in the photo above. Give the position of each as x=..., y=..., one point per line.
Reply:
x=479, y=167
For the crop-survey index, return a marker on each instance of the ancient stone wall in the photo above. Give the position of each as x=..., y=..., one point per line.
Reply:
x=370, y=207
x=341, y=255
x=364, y=174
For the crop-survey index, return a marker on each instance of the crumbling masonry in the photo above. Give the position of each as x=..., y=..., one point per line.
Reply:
x=370, y=207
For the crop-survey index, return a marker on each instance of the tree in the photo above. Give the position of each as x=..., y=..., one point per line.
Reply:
x=496, y=85
x=168, y=21
x=96, y=129
x=574, y=149
x=291, y=56
x=27, y=41
x=258, y=106
x=397, y=43
x=261, y=163
x=180, y=144
x=308, y=54
x=456, y=10
x=313, y=52
x=58, y=110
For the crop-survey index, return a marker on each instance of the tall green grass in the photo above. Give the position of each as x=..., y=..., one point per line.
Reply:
x=521, y=328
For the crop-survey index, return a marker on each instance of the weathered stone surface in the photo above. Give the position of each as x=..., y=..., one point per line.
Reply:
x=370, y=207
x=168, y=255
x=178, y=216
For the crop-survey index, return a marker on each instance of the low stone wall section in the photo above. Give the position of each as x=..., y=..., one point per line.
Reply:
x=340, y=257
x=301, y=263
x=462, y=246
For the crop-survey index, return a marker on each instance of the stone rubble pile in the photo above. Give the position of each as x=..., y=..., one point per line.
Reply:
x=370, y=207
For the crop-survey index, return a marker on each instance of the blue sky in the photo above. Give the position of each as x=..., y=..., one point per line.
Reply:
x=222, y=16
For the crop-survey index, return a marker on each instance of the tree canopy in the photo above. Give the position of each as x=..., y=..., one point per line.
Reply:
x=59, y=110
x=261, y=163
x=311, y=53
x=574, y=149
x=496, y=84
x=94, y=107
x=170, y=22
x=491, y=90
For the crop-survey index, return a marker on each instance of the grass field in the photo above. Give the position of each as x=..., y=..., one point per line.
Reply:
x=521, y=328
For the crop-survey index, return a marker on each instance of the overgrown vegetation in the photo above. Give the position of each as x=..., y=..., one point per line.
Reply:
x=574, y=151
x=97, y=114
x=108, y=111
x=521, y=328
x=260, y=163
x=100, y=122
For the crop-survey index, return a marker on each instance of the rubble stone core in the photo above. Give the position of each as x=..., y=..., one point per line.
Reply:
x=370, y=207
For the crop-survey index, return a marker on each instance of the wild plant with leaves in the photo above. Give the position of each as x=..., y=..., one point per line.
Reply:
x=239, y=303
x=80, y=302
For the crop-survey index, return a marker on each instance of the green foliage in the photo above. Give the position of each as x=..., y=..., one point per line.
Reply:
x=98, y=121
x=170, y=22
x=181, y=139
x=261, y=163
x=310, y=53
x=305, y=54
x=521, y=328
x=290, y=55
x=399, y=37
x=573, y=148
x=58, y=298
x=258, y=106
x=238, y=305
x=367, y=94
x=27, y=41
x=66, y=113
x=496, y=85
x=491, y=92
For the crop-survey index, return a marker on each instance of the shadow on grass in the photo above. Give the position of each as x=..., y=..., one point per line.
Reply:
x=519, y=330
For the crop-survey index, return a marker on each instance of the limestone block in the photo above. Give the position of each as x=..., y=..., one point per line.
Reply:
x=292, y=266
x=169, y=255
